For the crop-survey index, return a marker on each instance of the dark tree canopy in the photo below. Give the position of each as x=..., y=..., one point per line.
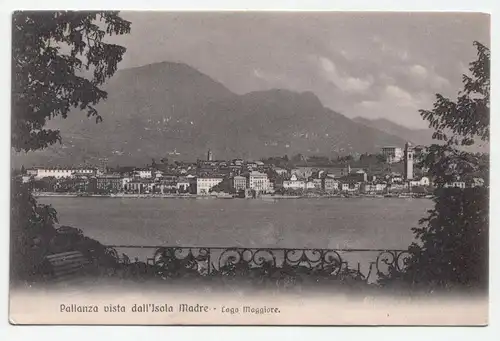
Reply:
x=452, y=248
x=460, y=123
x=469, y=116
x=59, y=60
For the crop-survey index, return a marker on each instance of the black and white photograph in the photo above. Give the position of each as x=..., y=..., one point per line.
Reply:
x=249, y=168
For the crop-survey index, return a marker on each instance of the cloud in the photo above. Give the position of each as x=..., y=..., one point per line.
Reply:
x=390, y=50
x=418, y=71
x=344, y=82
x=396, y=93
x=439, y=82
x=269, y=76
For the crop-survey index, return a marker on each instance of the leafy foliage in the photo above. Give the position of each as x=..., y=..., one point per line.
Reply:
x=453, y=239
x=32, y=228
x=59, y=60
x=469, y=116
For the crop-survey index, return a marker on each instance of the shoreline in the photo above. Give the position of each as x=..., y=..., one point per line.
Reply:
x=196, y=196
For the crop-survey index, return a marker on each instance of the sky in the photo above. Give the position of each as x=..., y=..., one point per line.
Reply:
x=374, y=65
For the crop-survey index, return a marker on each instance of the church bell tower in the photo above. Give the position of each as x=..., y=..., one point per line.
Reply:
x=408, y=161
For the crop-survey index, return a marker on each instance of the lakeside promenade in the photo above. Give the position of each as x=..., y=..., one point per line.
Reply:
x=218, y=196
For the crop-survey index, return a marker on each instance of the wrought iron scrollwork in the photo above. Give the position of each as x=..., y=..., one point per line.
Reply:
x=391, y=260
x=244, y=260
x=272, y=263
x=177, y=261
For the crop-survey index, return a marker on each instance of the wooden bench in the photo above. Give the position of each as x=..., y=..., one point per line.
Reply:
x=66, y=266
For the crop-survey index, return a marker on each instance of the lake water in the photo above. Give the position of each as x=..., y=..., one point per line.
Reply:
x=375, y=223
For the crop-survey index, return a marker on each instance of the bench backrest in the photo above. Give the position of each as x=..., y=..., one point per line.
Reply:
x=67, y=265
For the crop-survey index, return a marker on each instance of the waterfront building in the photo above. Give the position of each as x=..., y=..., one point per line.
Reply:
x=317, y=184
x=144, y=173
x=396, y=187
x=136, y=186
x=455, y=184
x=165, y=185
x=392, y=154
x=111, y=183
x=239, y=183
x=330, y=184
x=423, y=181
x=204, y=184
x=373, y=187
x=408, y=167
x=59, y=173
x=32, y=172
x=183, y=184
x=294, y=183
x=125, y=181
x=476, y=182
x=310, y=185
x=350, y=186
x=258, y=181
x=396, y=178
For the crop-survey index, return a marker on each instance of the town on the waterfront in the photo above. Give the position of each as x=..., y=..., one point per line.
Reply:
x=238, y=178
x=352, y=170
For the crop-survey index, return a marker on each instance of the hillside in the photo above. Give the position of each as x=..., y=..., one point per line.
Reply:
x=416, y=136
x=172, y=110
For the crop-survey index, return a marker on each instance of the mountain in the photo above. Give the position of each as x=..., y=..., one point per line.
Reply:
x=172, y=110
x=416, y=136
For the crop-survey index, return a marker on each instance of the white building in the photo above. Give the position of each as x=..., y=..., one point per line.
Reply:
x=204, y=184
x=392, y=154
x=350, y=186
x=59, y=173
x=281, y=171
x=158, y=174
x=374, y=187
x=259, y=182
x=144, y=173
x=125, y=181
x=476, y=182
x=455, y=184
x=294, y=183
x=183, y=184
x=311, y=185
x=423, y=181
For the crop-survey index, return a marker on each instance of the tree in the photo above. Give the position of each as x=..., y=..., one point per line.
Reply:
x=381, y=158
x=453, y=239
x=59, y=60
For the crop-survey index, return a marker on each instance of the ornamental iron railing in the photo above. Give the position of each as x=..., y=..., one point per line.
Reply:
x=175, y=261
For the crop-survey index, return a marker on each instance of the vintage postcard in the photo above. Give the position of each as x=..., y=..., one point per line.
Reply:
x=249, y=168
